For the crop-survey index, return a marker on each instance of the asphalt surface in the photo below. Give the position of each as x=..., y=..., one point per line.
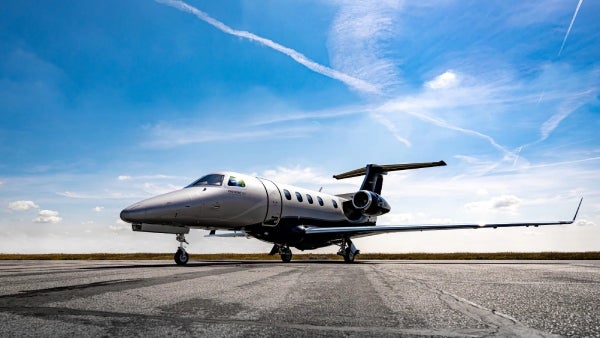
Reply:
x=369, y=298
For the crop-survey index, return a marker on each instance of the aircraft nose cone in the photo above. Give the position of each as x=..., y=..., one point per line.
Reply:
x=132, y=214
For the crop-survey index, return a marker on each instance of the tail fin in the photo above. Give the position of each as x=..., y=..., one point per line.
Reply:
x=374, y=173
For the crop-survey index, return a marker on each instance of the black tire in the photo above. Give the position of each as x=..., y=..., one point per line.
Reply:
x=181, y=257
x=286, y=256
x=349, y=256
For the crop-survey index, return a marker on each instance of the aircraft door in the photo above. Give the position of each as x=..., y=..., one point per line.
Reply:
x=273, y=203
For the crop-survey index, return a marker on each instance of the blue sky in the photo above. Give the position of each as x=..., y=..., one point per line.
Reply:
x=106, y=103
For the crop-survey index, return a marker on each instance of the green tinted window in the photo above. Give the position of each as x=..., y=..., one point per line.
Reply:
x=236, y=182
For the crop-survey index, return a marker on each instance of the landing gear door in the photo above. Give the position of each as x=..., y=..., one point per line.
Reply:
x=274, y=203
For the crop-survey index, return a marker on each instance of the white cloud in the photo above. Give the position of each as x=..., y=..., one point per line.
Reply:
x=119, y=226
x=22, y=205
x=570, y=26
x=98, y=209
x=359, y=41
x=158, y=189
x=47, y=216
x=402, y=106
x=501, y=203
x=71, y=194
x=583, y=222
x=170, y=135
x=296, y=175
x=97, y=195
x=563, y=111
x=392, y=128
x=350, y=81
x=146, y=177
x=446, y=80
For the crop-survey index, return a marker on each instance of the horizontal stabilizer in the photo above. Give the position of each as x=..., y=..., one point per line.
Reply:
x=389, y=167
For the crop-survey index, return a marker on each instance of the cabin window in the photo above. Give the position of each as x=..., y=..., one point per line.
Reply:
x=334, y=204
x=213, y=179
x=309, y=199
x=236, y=182
x=320, y=200
x=287, y=194
x=298, y=196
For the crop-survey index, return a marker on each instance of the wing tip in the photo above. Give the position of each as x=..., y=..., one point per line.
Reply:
x=577, y=211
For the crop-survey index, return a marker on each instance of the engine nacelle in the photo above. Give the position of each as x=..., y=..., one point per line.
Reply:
x=370, y=203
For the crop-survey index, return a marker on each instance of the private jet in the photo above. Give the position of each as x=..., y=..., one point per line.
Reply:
x=285, y=215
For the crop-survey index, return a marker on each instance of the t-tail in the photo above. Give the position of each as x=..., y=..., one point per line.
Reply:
x=374, y=173
x=367, y=202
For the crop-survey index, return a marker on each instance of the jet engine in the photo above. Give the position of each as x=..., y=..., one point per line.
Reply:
x=370, y=203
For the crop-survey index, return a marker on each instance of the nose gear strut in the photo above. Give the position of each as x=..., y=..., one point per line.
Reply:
x=181, y=256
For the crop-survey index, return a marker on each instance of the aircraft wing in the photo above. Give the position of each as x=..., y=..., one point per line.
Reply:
x=376, y=229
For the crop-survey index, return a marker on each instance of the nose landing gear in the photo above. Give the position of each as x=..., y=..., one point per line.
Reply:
x=181, y=256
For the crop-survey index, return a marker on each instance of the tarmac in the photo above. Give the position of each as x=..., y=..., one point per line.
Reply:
x=301, y=298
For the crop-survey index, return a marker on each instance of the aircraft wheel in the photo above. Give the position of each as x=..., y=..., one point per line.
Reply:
x=181, y=257
x=286, y=256
x=349, y=256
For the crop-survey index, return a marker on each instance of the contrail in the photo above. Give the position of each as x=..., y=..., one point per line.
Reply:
x=570, y=26
x=353, y=82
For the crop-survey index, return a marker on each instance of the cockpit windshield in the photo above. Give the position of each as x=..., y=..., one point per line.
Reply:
x=212, y=179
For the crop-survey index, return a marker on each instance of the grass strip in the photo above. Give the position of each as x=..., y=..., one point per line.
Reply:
x=593, y=255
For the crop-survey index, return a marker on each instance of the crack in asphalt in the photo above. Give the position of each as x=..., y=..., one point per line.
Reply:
x=187, y=323
x=503, y=324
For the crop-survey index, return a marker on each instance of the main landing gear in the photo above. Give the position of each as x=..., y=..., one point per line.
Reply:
x=348, y=250
x=181, y=256
x=284, y=252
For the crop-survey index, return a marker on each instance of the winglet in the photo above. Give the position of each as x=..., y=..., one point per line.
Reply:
x=577, y=211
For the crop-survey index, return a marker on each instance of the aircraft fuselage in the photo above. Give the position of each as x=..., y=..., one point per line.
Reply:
x=282, y=214
x=266, y=210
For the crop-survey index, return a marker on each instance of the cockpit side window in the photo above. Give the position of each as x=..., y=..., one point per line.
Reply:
x=236, y=182
x=212, y=179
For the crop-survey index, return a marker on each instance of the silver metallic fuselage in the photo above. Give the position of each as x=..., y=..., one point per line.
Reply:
x=264, y=209
x=282, y=214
